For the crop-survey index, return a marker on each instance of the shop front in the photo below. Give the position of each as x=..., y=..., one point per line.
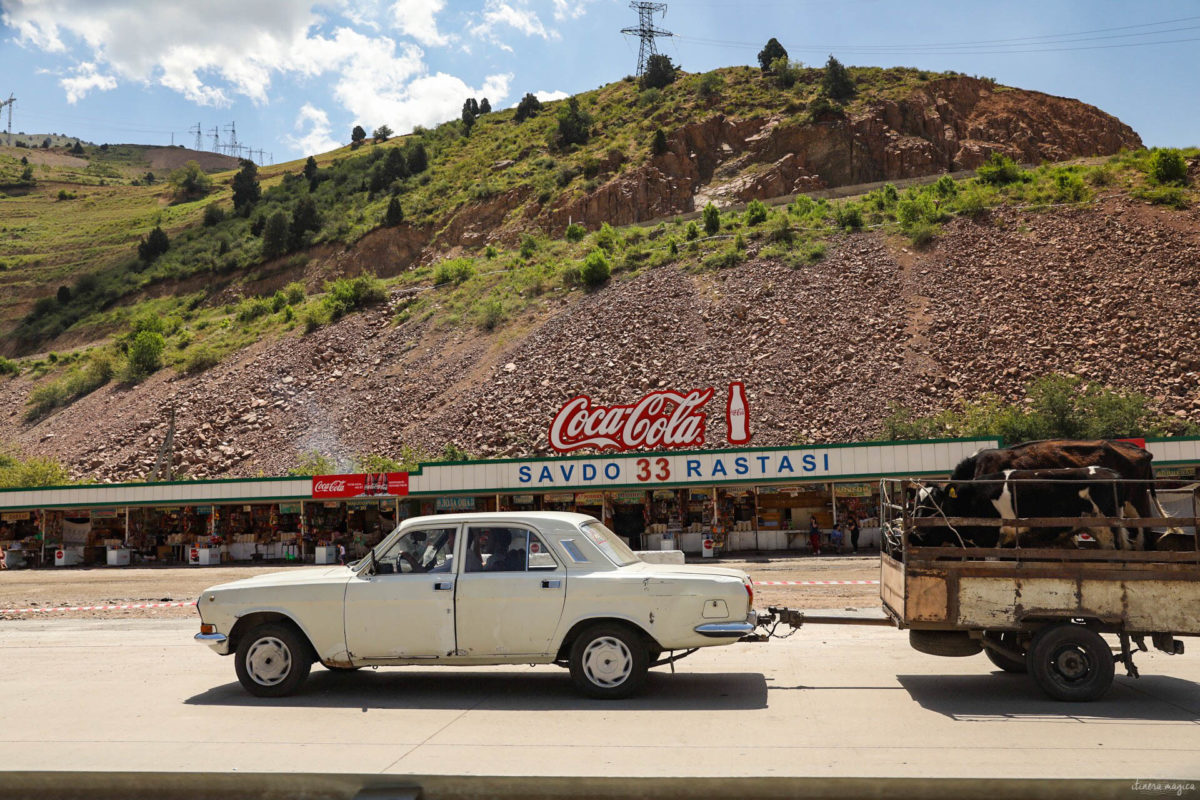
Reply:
x=753, y=499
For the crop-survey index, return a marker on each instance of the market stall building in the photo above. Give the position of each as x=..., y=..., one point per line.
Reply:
x=742, y=499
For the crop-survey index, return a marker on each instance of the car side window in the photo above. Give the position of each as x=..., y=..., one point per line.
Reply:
x=500, y=548
x=539, y=555
x=418, y=550
x=573, y=551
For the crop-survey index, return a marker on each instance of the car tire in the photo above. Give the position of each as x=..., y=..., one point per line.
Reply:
x=1013, y=642
x=609, y=662
x=1070, y=662
x=273, y=660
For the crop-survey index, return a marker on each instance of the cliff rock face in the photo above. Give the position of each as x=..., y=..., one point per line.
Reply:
x=947, y=125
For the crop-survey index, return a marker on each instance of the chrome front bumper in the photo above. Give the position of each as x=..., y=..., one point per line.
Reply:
x=728, y=630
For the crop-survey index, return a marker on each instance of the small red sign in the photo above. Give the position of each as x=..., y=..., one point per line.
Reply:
x=59, y=554
x=374, y=484
x=195, y=554
x=708, y=544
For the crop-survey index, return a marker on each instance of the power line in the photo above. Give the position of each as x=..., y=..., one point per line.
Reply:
x=883, y=50
x=1050, y=42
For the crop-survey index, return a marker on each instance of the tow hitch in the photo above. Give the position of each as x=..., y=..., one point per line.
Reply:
x=768, y=623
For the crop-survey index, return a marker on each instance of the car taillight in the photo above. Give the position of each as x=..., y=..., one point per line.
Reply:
x=206, y=628
x=750, y=592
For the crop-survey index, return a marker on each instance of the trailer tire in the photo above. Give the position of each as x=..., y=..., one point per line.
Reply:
x=1012, y=642
x=1070, y=662
x=952, y=644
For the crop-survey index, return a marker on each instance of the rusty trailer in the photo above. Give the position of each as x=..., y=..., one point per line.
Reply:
x=1041, y=610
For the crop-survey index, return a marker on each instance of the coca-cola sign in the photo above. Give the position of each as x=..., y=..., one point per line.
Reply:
x=374, y=484
x=660, y=420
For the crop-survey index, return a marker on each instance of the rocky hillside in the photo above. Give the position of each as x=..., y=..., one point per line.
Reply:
x=1107, y=292
x=729, y=136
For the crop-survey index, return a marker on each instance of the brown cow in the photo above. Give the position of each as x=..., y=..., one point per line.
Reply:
x=1125, y=458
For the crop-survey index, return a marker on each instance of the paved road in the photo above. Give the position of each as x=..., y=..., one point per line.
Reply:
x=140, y=695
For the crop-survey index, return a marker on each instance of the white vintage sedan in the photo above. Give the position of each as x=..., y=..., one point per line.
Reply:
x=477, y=589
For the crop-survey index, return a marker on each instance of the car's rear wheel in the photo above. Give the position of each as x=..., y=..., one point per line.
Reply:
x=609, y=661
x=273, y=660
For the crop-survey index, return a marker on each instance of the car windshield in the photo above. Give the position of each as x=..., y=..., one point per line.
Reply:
x=610, y=544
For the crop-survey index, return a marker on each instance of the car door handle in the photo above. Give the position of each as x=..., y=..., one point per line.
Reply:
x=443, y=586
x=552, y=584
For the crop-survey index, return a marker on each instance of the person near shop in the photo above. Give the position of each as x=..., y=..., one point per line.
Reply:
x=835, y=538
x=814, y=536
x=341, y=553
x=853, y=528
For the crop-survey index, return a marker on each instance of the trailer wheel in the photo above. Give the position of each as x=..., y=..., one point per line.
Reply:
x=1010, y=641
x=1071, y=662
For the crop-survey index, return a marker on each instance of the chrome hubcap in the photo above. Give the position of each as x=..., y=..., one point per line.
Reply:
x=268, y=661
x=607, y=662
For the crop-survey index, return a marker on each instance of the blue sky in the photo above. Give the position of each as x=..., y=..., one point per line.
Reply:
x=295, y=76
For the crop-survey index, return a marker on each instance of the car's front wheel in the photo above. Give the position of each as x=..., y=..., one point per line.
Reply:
x=273, y=660
x=609, y=661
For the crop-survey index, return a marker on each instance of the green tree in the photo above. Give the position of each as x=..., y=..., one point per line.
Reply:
x=595, y=269
x=837, y=82
x=381, y=134
x=190, y=181
x=213, y=215
x=468, y=118
x=63, y=295
x=394, y=165
x=357, y=136
x=998, y=170
x=153, y=245
x=1168, y=166
x=659, y=72
x=394, y=215
x=574, y=124
x=418, y=159
x=77, y=150
x=785, y=73
x=275, y=235
x=710, y=85
x=485, y=107
x=528, y=107
x=246, y=191
x=658, y=144
x=145, y=354
x=305, y=219
x=771, y=52
x=756, y=212
x=310, y=168
x=712, y=219
x=30, y=473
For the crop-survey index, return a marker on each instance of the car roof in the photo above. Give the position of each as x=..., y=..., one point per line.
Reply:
x=568, y=517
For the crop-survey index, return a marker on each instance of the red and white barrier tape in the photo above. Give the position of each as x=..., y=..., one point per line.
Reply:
x=95, y=608
x=192, y=603
x=816, y=583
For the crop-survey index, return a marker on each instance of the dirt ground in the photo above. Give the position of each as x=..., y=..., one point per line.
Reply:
x=53, y=588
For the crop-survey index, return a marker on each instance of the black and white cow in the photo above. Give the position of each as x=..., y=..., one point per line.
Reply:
x=1132, y=463
x=1016, y=493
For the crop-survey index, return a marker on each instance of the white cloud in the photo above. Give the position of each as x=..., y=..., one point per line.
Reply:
x=86, y=79
x=546, y=97
x=317, y=138
x=566, y=9
x=518, y=16
x=425, y=100
x=417, y=18
x=215, y=51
